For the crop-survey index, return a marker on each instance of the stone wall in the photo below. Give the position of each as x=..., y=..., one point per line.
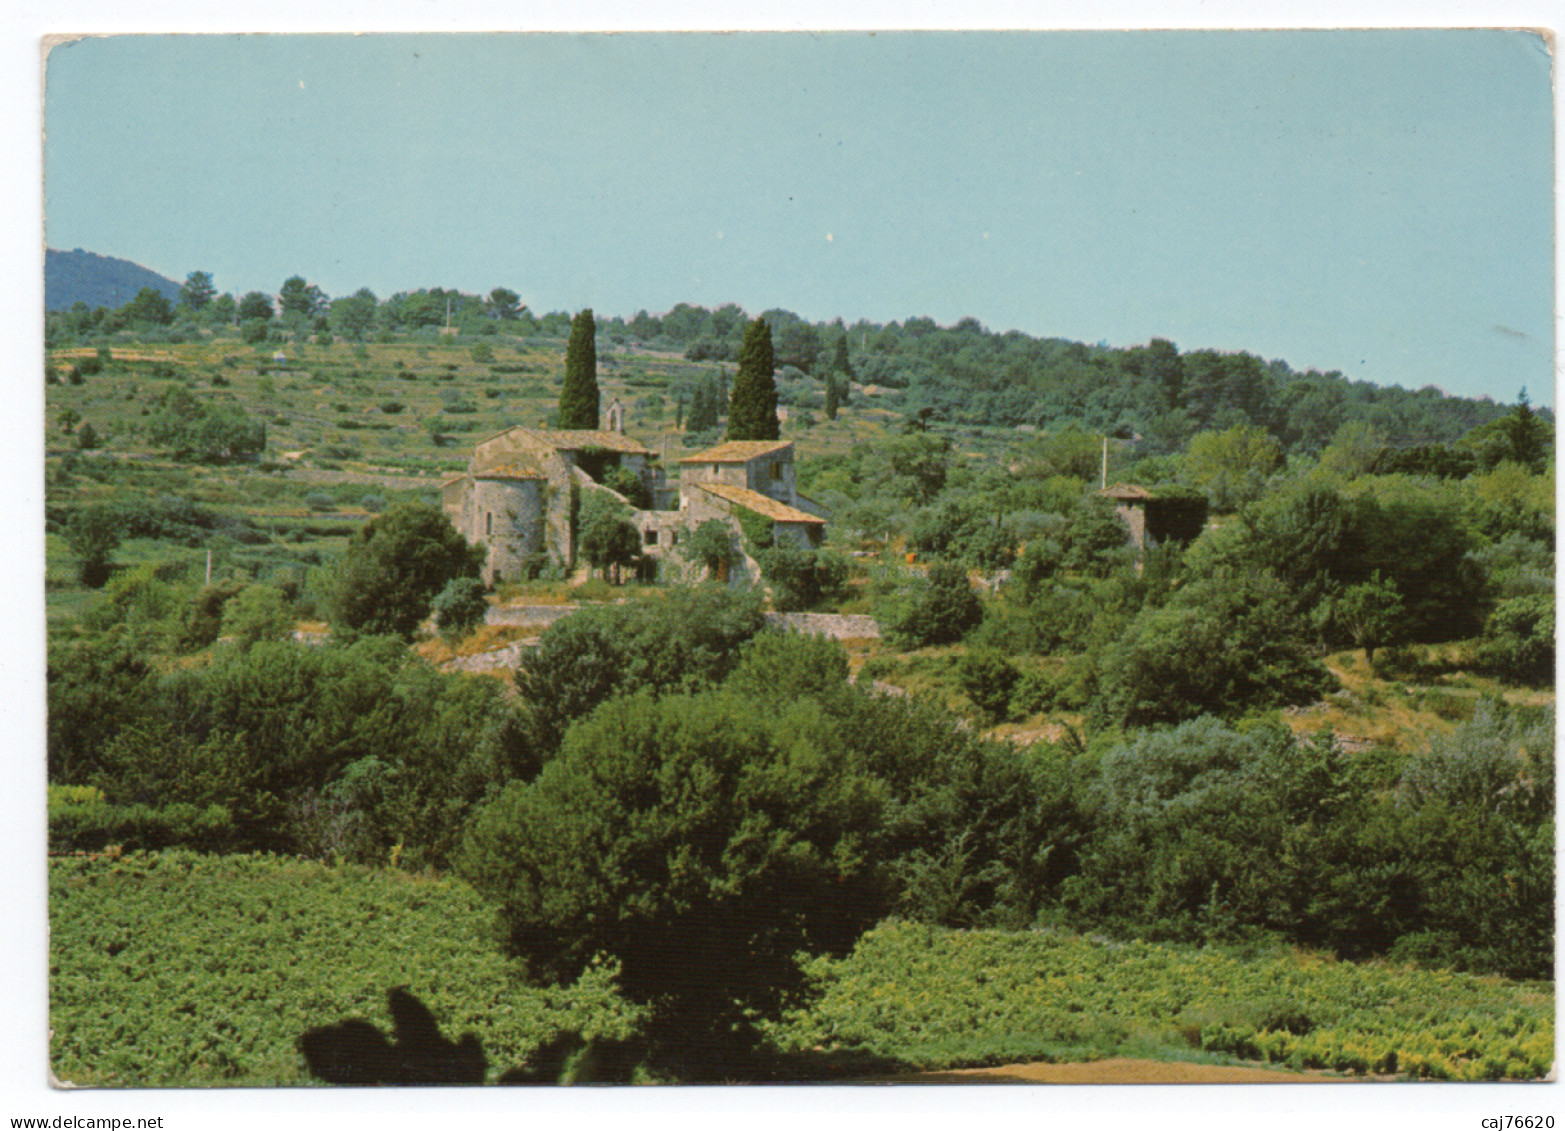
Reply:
x=528, y=616
x=835, y=625
x=507, y=516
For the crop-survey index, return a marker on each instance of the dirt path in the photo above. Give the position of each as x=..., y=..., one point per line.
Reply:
x=1117, y=1070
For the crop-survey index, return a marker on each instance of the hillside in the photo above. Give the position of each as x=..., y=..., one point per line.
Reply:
x=97, y=280
x=1257, y=794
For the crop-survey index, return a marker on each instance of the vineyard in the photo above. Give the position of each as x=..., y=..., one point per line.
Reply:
x=932, y=998
x=179, y=969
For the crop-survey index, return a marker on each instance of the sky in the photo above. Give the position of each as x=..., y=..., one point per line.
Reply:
x=1374, y=202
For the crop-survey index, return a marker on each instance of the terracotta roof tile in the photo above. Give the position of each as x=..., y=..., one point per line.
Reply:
x=761, y=504
x=509, y=470
x=738, y=451
x=1127, y=491
x=576, y=440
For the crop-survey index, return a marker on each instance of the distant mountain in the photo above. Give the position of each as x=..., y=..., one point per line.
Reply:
x=76, y=276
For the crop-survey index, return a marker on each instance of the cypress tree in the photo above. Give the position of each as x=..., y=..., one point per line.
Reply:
x=752, y=406
x=705, y=405
x=831, y=396
x=839, y=361
x=579, y=393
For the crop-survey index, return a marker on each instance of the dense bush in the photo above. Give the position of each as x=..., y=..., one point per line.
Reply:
x=1219, y=648
x=212, y=432
x=94, y=533
x=394, y=566
x=257, y=612
x=941, y=610
x=1208, y=832
x=331, y=750
x=988, y=679
x=1518, y=640
x=460, y=606
x=686, y=643
x=803, y=579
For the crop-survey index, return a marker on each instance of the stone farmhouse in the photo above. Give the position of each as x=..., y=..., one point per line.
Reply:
x=515, y=497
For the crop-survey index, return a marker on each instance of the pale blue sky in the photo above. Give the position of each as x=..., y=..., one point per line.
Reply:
x=1375, y=202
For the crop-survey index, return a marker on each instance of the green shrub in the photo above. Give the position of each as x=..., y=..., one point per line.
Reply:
x=92, y=827
x=1217, y=648
x=989, y=680
x=1518, y=640
x=942, y=610
x=257, y=612
x=803, y=579
x=460, y=607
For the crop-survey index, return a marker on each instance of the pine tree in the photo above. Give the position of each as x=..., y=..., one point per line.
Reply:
x=579, y=393
x=1526, y=435
x=752, y=407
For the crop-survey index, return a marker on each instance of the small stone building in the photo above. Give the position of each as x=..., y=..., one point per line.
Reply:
x=516, y=495
x=1152, y=519
x=756, y=475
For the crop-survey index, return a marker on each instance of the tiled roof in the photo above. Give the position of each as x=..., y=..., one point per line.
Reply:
x=1127, y=491
x=738, y=451
x=510, y=470
x=576, y=440
x=761, y=504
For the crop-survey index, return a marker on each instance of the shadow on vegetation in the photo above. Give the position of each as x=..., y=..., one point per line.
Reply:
x=690, y=1055
x=355, y=1052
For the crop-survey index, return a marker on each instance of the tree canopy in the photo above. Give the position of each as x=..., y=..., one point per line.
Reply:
x=394, y=566
x=198, y=290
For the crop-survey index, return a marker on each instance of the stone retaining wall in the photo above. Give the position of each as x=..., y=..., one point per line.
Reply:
x=528, y=616
x=834, y=625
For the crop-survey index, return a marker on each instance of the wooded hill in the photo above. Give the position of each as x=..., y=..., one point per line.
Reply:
x=962, y=375
x=97, y=280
